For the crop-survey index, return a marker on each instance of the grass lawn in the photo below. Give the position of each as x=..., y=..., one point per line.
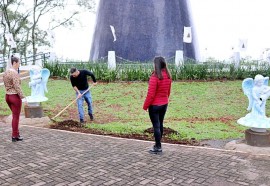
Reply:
x=200, y=110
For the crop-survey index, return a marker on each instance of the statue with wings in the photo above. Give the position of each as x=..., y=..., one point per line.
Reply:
x=38, y=85
x=257, y=91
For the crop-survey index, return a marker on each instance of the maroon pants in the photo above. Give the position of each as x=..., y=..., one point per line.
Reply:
x=15, y=104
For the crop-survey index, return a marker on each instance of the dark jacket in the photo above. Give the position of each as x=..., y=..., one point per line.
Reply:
x=81, y=80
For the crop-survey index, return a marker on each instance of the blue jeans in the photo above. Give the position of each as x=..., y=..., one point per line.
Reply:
x=156, y=114
x=88, y=98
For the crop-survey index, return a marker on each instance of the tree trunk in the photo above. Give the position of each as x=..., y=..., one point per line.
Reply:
x=33, y=46
x=33, y=33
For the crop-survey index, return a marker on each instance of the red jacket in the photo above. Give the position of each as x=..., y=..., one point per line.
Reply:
x=158, y=90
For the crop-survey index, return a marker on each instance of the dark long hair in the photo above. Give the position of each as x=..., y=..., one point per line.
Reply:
x=14, y=59
x=160, y=64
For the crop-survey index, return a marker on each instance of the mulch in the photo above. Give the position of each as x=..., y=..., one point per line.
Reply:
x=75, y=126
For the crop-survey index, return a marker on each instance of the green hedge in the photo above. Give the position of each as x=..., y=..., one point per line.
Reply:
x=142, y=71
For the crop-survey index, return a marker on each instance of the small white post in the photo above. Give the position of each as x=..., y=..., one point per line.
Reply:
x=267, y=55
x=236, y=57
x=179, y=58
x=52, y=57
x=111, y=60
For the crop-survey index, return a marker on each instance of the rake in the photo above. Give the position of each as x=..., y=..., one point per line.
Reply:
x=53, y=118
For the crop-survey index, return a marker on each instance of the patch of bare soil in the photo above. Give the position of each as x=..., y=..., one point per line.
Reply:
x=75, y=126
x=166, y=131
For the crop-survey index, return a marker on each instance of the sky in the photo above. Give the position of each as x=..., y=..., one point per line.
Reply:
x=75, y=43
x=219, y=24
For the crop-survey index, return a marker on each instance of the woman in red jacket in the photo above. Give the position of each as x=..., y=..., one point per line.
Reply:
x=157, y=99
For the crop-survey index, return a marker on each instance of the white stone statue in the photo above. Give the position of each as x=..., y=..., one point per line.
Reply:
x=257, y=91
x=38, y=85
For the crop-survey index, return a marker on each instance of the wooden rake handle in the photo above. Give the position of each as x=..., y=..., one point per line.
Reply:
x=70, y=104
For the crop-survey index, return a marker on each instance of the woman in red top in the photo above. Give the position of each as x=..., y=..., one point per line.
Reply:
x=157, y=99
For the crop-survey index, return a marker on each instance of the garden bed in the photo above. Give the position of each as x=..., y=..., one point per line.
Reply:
x=71, y=125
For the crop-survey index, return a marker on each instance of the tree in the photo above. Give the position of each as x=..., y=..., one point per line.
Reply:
x=12, y=21
x=24, y=24
x=45, y=7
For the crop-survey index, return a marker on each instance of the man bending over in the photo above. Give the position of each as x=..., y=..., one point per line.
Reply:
x=79, y=82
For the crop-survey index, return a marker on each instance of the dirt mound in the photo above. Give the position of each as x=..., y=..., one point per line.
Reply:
x=66, y=124
x=166, y=131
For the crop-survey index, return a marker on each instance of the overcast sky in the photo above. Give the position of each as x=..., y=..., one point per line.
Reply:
x=219, y=25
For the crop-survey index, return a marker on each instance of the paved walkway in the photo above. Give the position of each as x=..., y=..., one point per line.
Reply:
x=52, y=157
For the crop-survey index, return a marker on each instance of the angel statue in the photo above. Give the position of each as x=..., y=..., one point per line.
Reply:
x=257, y=91
x=38, y=85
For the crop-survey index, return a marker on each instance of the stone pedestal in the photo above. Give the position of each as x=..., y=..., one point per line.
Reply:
x=259, y=139
x=35, y=111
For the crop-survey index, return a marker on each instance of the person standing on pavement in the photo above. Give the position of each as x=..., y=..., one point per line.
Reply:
x=157, y=99
x=14, y=95
x=79, y=82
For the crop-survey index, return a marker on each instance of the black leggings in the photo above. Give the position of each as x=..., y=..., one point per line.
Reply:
x=156, y=114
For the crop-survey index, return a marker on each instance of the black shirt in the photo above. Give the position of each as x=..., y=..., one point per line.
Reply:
x=81, y=80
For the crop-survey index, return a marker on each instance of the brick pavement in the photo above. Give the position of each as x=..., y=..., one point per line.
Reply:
x=51, y=157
